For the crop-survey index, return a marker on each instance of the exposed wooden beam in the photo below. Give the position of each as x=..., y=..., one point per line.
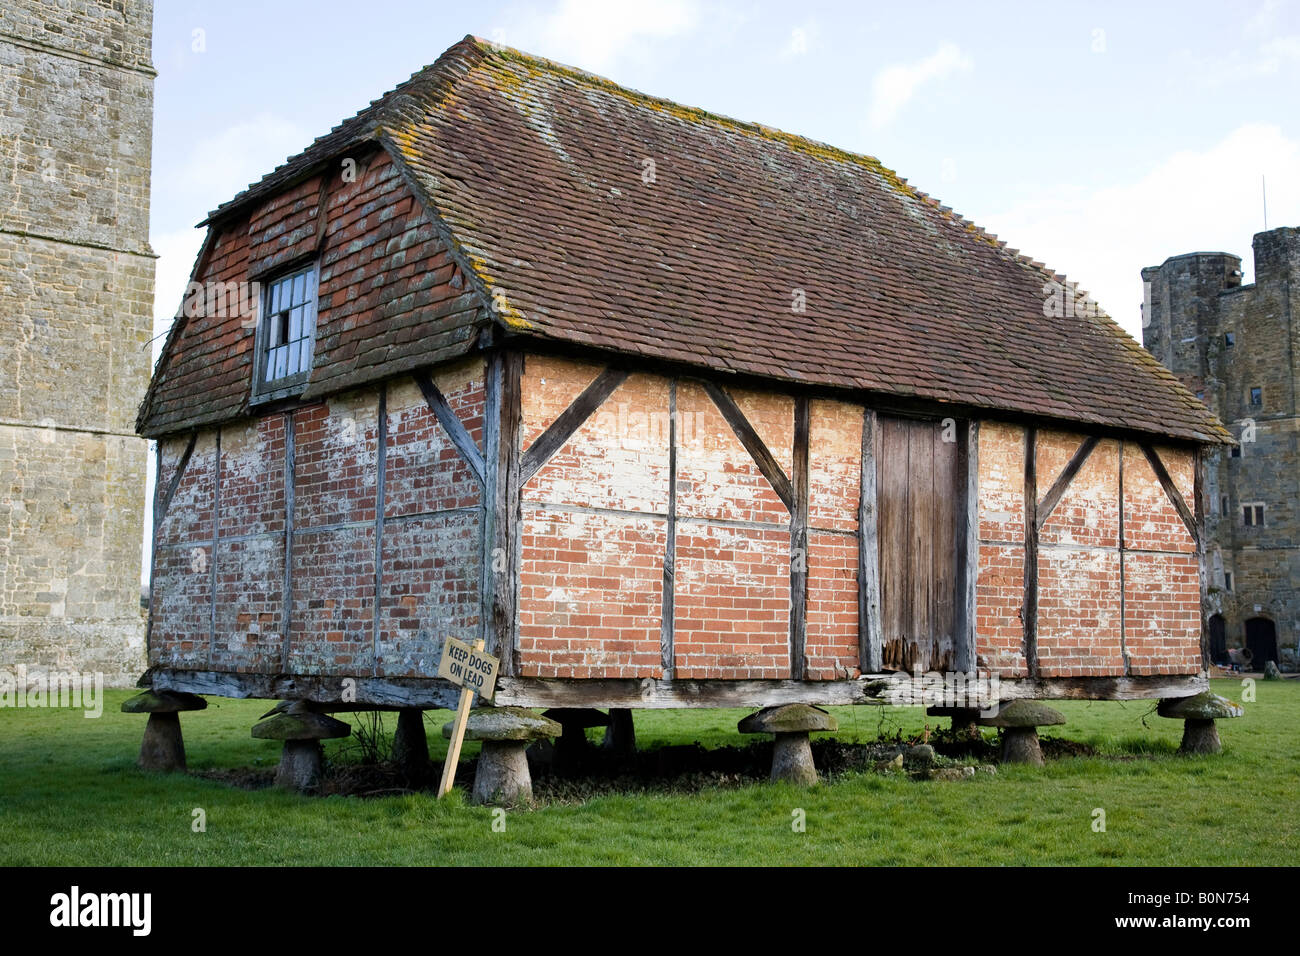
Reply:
x=968, y=545
x=757, y=449
x=153, y=548
x=290, y=479
x=381, y=504
x=647, y=693
x=451, y=425
x=177, y=475
x=216, y=540
x=501, y=519
x=161, y=502
x=569, y=421
x=799, y=541
x=1029, y=607
x=322, y=203
x=1202, y=570
x=1171, y=490
x=668, y=616
x=1062, y=483
x=1123, y=586
x=870, y=649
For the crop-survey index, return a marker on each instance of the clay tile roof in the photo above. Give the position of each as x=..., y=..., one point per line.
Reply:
x=596, y=216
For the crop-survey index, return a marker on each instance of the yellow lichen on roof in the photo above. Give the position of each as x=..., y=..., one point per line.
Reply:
x=511, y=317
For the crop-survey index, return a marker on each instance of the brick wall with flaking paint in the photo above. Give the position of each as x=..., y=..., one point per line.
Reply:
x=594, y=528
x=1089, y=623
x=431, y=539
x=1000, y=588
x=834, y=488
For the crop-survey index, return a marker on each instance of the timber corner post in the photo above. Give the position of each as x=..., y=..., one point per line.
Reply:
x=502, y=508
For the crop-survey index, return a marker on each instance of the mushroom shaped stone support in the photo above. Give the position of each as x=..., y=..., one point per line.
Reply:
x=502, y=777
x=162, y=747
x=1019, y=722
x=1198, y=714
x=792, y=759
x=301, y=759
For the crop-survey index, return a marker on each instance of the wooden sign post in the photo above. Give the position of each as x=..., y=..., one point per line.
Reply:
x=475, y=671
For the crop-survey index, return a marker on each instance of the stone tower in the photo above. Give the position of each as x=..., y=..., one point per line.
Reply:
x=76, y=299
x=1238, y=348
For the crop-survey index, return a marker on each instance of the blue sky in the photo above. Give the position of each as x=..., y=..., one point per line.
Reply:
x=1096, y=137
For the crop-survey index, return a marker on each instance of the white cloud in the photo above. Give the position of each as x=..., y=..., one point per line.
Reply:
x=595, y=34
x=1192, y=201
x=894, y=86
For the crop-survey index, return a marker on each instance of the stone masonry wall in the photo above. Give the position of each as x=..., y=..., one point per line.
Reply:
x=1223, y=339
x=76, y=290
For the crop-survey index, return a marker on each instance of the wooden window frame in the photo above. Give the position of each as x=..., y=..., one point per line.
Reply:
x=288, y=386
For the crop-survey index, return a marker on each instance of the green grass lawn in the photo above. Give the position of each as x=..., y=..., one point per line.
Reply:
x=71, y=795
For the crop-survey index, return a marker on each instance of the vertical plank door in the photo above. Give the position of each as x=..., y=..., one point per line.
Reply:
x=918, y=480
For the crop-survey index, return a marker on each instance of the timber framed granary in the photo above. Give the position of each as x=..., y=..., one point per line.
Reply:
x=669, y=409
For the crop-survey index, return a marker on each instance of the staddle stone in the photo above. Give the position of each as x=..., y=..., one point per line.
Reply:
x=1019, y=721
x=1202, y=706
x=1024, y=713
x=301, y=766
x=788, y=719
x=163, y=702
x=620, y=735
x=302, y=726
x=965, y=720
x=505, y=723
x=162, y=747
x=792, y=759
x=501, y=777
x=1198, y=714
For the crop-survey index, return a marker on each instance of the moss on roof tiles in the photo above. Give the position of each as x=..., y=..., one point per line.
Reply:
x=977, y=294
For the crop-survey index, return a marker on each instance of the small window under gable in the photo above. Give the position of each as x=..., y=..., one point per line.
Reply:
x=286, y=336
x=1256, y=395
